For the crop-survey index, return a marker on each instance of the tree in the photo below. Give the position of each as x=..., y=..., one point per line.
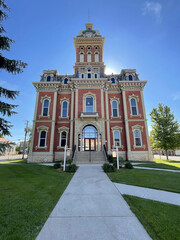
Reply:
x=12, y=66
x=165, y=129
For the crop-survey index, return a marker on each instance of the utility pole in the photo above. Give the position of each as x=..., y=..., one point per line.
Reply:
x=26, y=131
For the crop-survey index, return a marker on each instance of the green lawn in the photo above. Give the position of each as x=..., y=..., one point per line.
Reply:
x=160, y=220
x=28, y=194
x=159, y=165
x=14, y=161
x=168, y=181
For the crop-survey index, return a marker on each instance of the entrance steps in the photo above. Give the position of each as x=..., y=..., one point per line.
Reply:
x=89, y=157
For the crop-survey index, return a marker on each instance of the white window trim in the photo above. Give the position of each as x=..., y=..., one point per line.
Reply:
x=89, y=53
x=95, y=54
x=89, y=94
x=119, y=129
x=137, y=100
x=80, y=54
x=118, y=101
x=61, y=103
x=60, y=130
x=42, y=108
x=140, y=128
x=40, y=129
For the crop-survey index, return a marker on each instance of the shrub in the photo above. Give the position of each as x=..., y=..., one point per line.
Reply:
x=110, y=158
x=108, y=167
x=71, y=168
x=128, y=165
x=57, y=165
x=121, y=162
x=69, y=161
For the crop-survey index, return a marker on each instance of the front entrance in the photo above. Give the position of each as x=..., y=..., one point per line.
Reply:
x=89, y=138
x=89, y=144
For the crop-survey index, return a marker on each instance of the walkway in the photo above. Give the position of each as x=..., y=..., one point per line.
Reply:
x=92, y=208
x=157, y=169
x=148, y=193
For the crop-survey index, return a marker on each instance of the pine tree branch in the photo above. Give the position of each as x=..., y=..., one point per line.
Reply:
x=7, y=109
x=6, y=146
x=4, y=127
x=5, y=43
x=12, y=66
x=8, y=93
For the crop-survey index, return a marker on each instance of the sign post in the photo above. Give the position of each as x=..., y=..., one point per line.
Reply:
x=66, y=153
x=115, y=153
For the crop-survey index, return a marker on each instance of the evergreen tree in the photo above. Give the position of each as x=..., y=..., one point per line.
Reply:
x=11, y=66
x=165, y=129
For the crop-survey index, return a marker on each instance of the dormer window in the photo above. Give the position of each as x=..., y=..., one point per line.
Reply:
x=130, y=78
x=65, y=81
x=48, y=79
x=113, y=80
x=95, y=75
x=89, y=75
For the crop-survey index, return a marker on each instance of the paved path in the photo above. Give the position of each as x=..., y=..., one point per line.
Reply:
x=174, y=158
x=148, y=193
x=92, y=208
x=157, y=169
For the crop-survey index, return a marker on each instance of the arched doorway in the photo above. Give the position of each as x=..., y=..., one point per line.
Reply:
x=89, y=138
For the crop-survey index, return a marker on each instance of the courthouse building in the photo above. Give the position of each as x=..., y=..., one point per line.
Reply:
x=89, y=111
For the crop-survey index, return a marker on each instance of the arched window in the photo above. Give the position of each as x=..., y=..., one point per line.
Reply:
x=89, y=75
x=65, y=81
x=48, y=79
x=137, y=138
x=114, y=108
x=42, y=139
x=96, y=57
x=112, y=80
x=130, y=78
x=64, y=112
x=45, y=107
x=89, y=104
x=116, y=136
x=134, y=106
x=82, y=75
x=63, y=139
x=95, y=75
x=81, y=57
x=89, y=57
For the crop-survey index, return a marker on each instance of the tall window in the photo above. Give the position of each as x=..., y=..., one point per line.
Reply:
x=89, y=75
x=112, y=80
x=65, y=81
x=96, y=57
x=64, y=112
x=137, y=138
x=63, y=139
x=89, y=104
x=89, y=57
x=133, y=106
x=45, y=107
x=81, y=57
x=114, y=108
x=48, y=79
x=42, y=139
x=116, y=136
x=95, y=75
x=130, y=78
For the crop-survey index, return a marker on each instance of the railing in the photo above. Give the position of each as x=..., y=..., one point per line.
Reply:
x=74, y=151
x=105, y=152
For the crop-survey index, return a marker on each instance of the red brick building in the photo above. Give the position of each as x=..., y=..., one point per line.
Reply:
x=89, y=109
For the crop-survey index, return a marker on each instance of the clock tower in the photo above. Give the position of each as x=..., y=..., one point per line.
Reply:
x=89, y=45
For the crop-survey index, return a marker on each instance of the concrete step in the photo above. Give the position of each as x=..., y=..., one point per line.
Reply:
x=89, y=157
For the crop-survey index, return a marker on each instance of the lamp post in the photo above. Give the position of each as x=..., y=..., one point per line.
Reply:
x=66, y=153
x=115, y=153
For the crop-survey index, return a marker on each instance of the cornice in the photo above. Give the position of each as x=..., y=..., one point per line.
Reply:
x=131, y=84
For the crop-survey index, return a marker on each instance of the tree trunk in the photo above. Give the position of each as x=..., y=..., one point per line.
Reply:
x=166, y=154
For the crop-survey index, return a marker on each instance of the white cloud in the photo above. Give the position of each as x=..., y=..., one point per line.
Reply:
x=153, y=8
x=176, y=96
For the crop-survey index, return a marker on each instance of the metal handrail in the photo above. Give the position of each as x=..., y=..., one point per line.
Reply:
x=73, y=153
x=105, y=152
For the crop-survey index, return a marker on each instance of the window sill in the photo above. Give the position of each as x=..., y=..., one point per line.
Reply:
x=64, y=117
x=143, y=146
x=59, y=147
x=41, y=116
x=38, y=147
x=138, y=115
x=122, y=147
x=116, y=117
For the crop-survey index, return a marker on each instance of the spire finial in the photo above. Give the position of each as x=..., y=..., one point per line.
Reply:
x=88, y=15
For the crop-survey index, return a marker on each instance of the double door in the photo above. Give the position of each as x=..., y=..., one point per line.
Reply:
x=90, y=144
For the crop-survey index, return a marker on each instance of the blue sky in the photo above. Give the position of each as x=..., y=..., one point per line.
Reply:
x=144, y=35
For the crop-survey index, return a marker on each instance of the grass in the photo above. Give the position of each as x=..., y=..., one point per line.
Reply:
x=14, y=161
x=168, y=181
x=159, y=165
x=161, y=220
x=28, y=195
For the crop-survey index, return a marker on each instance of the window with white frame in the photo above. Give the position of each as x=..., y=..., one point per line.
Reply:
x=96, y=57
x=114, y=108
x=42, y=138
x=133, y=106
x=45, y=111
x=64, y=112
x=137, y=138
x=116, y=136
x=89, y=57
x=81, y=57
x=63, y=139
x=48, y=78
x=89, y=104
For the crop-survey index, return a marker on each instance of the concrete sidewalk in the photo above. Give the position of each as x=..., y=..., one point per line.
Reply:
x=92, y=208
x=157, y=169
x=149, y=193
